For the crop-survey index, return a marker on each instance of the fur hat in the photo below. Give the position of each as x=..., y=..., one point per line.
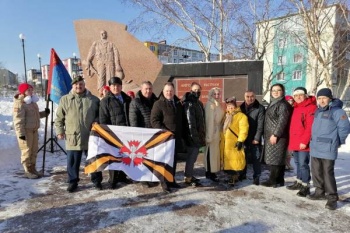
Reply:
x=23, y=87
x=325, y=92
x=77, y=79
x=115, y=80
x=299, y=90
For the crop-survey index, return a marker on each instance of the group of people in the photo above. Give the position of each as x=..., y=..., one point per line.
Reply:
x=308, y=126
x=232, y=137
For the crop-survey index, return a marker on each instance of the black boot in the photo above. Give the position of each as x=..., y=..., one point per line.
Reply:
x=332, y=202
x=232, y=180
x=272, y=181
x=269, y=183
x=280, y=175
x=165, y=187
x=211, y=176
x=317, y=195
x=256, y=181
x=192, y=181
x=113, y=185
x=214, y=177
x=98, y=186
x=208, y=175
x=242, y=177
x=173, y=185
x=243, y=173
x=304, y=191
x=295, y=186
x=331, y=205
x=72, y=187
x=152, y=184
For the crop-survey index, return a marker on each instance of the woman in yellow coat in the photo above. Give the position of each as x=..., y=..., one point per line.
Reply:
x=235, y=132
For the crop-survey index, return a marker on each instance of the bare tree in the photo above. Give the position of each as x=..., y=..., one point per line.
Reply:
x=254, y=34
x=205, y=22
x=326, y=27
x=252, y=23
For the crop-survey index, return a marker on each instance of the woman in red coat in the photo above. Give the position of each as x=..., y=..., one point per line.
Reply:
x=299, y=138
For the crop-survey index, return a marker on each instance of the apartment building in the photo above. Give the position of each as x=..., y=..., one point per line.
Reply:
x=173, y=54
x=292, y=59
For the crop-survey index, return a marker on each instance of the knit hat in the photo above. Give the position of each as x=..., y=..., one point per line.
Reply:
x=131, y=94
x=115, y=80
x=300, y=91
x=77, y=79
x=23, y=87
x=325, y=92
x=106, y=88
x=289, y=97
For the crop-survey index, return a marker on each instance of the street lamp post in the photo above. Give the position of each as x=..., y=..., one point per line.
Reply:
x=75, y=66
x=22, y=37
x=41, y=76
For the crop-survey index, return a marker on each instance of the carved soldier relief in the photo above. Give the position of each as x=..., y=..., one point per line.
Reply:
x=103, y=61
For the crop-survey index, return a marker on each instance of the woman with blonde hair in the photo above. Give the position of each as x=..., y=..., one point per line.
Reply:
x=213, y=117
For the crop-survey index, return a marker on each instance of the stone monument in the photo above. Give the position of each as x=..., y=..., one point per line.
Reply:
x=107, y=49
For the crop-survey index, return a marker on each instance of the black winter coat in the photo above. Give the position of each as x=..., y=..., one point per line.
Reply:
x=165, y=116
x=140, y=110
x=195, y=120
x=256, y=117
x=277, y=121
x=113, y=112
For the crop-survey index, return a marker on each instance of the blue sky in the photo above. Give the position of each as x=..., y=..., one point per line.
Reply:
x=48, y=24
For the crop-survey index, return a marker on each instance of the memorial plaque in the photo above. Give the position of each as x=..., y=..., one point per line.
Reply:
x=229, y=85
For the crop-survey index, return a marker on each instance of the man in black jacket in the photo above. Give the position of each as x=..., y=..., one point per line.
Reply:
x=141, y=106
x=114, y=110
x=256, y=114
x=195, y=130
x=140, y=110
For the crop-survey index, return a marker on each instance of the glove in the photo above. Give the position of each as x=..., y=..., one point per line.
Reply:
x=47, y=111
x=22, y=138
x=239, y=145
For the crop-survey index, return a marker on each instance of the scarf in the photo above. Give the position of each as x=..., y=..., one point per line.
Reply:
x=275, y=100
x=228, y=120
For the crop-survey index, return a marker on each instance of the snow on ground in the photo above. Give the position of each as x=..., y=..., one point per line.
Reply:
x=44, y=205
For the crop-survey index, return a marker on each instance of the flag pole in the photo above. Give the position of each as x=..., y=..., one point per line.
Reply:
x=58, y=84
x=45, y=135
x=47, y=94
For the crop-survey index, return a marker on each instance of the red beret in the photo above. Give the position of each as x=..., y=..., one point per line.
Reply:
x=288, y=97
x=131, y=94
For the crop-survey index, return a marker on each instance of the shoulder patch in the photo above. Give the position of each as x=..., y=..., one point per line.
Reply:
x=343, y=117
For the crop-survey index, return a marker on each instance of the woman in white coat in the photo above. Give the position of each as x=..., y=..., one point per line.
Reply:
x=213, y=120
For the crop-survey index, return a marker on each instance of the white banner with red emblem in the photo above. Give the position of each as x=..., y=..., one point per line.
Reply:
x=143, y=154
